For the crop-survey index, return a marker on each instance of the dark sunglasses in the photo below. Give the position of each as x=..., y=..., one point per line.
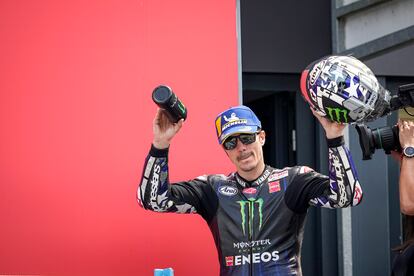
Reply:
x=231, y=142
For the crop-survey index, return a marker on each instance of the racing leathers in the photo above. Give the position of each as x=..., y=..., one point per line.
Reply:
x=258, y=225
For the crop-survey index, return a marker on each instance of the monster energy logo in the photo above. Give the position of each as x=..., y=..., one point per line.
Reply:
x=250, y=209
x=181, y=107
x=336, y=113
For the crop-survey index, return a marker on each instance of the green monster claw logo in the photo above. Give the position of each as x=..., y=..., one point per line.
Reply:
x=335, y=114
x=181, y=107
x=250, y=208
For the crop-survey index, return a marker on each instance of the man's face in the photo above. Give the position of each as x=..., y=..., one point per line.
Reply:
x=248, y=157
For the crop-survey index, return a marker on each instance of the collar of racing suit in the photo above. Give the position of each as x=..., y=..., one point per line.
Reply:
x=262, y=178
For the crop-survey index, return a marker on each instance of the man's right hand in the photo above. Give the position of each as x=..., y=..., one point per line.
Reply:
x=164, y=130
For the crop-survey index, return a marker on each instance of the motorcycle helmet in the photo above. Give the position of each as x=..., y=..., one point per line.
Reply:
x=344, y=89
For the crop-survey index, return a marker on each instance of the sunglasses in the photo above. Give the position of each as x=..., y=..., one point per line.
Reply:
x=231, y=142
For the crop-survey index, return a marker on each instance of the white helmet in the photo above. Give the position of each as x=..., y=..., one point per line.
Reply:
x=344, y=89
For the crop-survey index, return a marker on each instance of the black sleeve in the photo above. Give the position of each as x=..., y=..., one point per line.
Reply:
x=157, y=194
x=304, y=187
x=341, y=189
x=198, y=193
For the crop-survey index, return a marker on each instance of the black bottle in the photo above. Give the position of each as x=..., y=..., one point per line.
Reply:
x=165, y=98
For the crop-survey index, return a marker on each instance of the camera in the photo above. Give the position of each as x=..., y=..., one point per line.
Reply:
x=386, y=138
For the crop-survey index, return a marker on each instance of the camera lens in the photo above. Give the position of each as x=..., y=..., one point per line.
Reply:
x=385, y=138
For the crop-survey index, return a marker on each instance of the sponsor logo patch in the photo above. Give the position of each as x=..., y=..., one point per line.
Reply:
x=233, y=117
x=251, y=244
x=274, y=186
x=229, y=261
x=304, y=169
x=316, y=71
x=248, y=209
x=278, y=175
x=358, y=194
x=232, y=123
x=249, y=191
x=255, y=258
x=338, y=114
x=228, y=190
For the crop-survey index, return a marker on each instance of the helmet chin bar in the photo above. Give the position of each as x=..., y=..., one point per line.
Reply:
x=382, y=106
x=387, y=103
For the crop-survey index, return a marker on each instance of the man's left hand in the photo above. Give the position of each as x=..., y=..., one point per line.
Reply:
x=332, y=129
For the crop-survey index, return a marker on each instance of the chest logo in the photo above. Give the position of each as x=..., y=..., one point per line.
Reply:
x=278, y=175
x=274, y=186
x=248, y=210
x=249, y=191
x=228, y=190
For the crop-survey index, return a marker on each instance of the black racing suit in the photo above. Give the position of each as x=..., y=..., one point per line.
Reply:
x=257, y=226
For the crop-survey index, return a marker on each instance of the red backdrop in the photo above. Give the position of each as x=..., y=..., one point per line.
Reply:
x=76, y=124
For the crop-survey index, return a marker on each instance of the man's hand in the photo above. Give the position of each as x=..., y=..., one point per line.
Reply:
x=164, y=130
x=406, y=133
x=332, y=129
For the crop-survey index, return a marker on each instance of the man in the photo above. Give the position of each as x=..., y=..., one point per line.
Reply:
x=257, y=214
x=406, y=138
x=403, y=263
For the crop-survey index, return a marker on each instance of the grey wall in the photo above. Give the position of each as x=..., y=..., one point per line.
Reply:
x=394, y=62
x=284, y=36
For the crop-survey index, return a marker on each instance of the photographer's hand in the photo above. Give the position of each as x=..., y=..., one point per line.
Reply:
x=406, y=136
x=332, y=129
x=164, y=130
x=406, y=133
